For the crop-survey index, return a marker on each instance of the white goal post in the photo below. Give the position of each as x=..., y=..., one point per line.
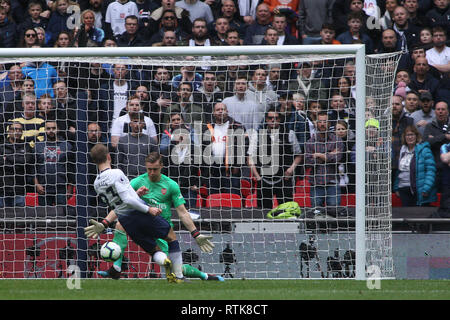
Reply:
x=372, y=226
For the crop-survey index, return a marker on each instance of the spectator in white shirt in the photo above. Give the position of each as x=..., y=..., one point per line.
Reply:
x=120, y=126
x=116, y=13
x=197, y=9
x=439, y=55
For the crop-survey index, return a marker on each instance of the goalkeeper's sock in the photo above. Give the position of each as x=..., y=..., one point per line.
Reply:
x=121, y=239
x=176, y=258
x=192, y=272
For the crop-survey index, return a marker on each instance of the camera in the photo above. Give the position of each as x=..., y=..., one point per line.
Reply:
x=227, y=256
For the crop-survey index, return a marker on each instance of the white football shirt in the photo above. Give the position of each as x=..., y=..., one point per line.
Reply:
x=114, y=188
x=116, y=14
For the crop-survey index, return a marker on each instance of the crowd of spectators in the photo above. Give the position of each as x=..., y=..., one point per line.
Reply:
x=138, y=109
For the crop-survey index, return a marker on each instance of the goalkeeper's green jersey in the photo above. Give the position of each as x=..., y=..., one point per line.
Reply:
x=162, y=194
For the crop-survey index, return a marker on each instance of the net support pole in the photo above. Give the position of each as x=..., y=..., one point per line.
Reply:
x=360, y=214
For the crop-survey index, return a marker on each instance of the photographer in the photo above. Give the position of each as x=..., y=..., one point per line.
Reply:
x=227, y=257
x=437, y=133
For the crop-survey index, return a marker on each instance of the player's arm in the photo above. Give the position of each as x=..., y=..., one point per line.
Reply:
x=203, y=241
x=131, y=199
x=185, y=218
x=443, y=68
x=137, y=204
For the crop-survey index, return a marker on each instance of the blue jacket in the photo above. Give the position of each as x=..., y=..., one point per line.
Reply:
x=423, y=174
x=44, y=76
x=56, y=24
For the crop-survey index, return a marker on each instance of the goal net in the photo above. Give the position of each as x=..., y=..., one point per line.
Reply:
x=281, y=154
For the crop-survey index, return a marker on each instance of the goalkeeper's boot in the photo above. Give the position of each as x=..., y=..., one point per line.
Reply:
x=214, y=277
x=111, y=273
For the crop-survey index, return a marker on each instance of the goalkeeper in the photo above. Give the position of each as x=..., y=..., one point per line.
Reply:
x=160, y=191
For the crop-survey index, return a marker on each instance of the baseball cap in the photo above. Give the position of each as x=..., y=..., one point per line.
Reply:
x=426, y=96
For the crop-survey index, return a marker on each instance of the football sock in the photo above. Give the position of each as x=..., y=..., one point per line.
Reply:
x=192, y=272
x=176, y=258
x=121, y=239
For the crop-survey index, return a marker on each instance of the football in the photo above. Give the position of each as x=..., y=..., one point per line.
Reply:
x=110, y=251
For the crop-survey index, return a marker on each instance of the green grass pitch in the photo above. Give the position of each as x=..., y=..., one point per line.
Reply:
x=234, y=290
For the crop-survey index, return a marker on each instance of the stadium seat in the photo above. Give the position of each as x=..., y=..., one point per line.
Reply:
x=438, y=202
x=250, y=201
x=302, y=186
x=203, y=191
x=31, y=199
x=72, y=201
x=302, y=199
x=275, y=202
x=227, y=200
x=201, y=196
x=199, y=203
x=396, y=202
x=348, y=200
x=246, y=188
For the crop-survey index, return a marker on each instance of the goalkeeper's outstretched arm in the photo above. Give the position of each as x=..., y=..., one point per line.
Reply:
x=185, y=218
x=202, y=241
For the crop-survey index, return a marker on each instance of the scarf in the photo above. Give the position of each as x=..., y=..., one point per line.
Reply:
x=404, y=46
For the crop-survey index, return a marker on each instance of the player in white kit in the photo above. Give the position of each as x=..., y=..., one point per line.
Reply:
x=140, y=221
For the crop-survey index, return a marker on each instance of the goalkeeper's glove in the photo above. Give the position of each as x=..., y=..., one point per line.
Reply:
x=96, y=228
x=203, y=241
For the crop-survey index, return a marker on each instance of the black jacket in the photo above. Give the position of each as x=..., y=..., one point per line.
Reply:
x=15, y=168
x=434, y=133
x=124, y=40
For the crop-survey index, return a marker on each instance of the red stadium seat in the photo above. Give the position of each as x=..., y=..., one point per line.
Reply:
x=227, y=200
x=72, y=201
x=250, y=201
x=302, y=199
x=199, y=203
x=348, y=200
x=438, y=202
x=203, y=191
x=31, y=199
x=396, y=202
x=302, y=186
x=246, y=188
